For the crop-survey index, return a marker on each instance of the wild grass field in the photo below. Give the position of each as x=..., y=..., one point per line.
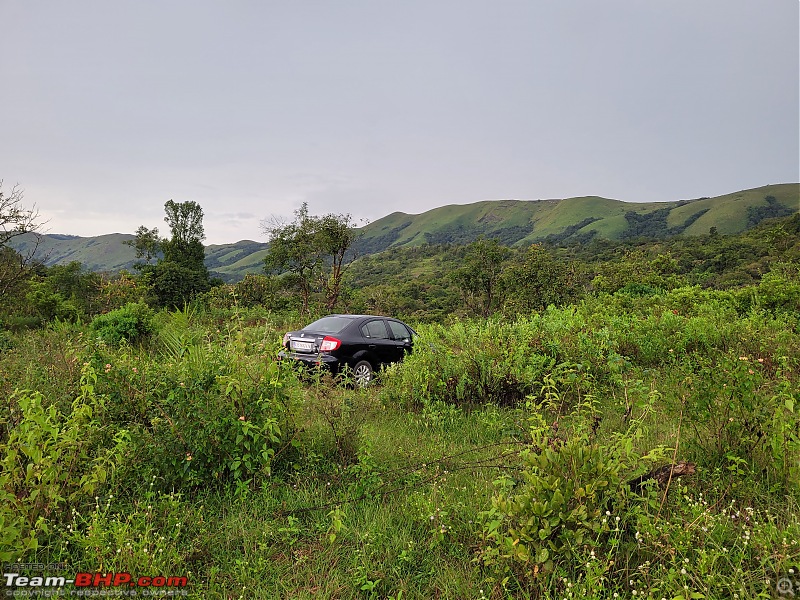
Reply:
x=504, y=458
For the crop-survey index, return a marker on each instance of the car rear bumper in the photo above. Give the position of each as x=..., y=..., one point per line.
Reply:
x=311, y=360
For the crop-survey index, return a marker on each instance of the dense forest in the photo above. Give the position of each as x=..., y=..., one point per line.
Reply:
x=579, y=418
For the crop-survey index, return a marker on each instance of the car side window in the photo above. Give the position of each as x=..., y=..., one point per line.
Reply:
x=375, y=330
x=399, y=331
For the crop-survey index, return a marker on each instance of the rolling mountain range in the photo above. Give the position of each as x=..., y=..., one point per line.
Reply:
x=513, y=222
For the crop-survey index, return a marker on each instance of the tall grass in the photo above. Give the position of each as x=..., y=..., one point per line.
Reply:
x=194, y=452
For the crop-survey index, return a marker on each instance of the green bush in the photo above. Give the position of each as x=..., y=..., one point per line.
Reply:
x=571, y=499
x=6, y=340
x=472, y=361
x=51, y=461
x=207, y=410
x=131, y=323
x=744, y=416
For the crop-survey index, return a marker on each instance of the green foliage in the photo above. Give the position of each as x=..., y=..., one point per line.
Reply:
x=772, y=210
x=570, y=499
x=64, y=292
x=213, y=411
x=180, y=274
x=174, y=284
x=185, y=220
x=314, y=250
x=119, y=290
x=639, y=268
x=146, y=243
x=6, y=340
x=744, y=418
x=51, y=461
x=197, y=452
x=125, y=538
x=48, y=304
x=479, y=277
x=257, y=289
x=472, y=361
x=539, y=280
x=131, y=323
x=778, y=290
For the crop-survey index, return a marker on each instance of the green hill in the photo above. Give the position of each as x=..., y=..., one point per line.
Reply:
x=99, y=253
x=521, y=222
x=512, y=222
x=109, y=253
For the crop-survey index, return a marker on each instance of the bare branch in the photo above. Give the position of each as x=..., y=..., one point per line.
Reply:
x=270, y=225
x=16, y=220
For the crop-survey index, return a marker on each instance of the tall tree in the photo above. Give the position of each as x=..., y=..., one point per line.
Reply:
x=185, y=245
x=314, y=250
x=180, y=273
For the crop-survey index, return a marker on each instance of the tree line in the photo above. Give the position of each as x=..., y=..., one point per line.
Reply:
x=313, y=267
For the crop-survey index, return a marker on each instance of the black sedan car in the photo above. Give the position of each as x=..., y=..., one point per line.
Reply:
x=362, y=343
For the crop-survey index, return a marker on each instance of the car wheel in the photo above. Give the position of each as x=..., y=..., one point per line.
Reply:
x=363, y=374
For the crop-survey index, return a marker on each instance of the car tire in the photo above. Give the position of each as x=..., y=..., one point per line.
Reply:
x=363, y=374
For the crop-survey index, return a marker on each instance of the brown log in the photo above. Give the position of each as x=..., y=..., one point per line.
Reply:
x=662, y=475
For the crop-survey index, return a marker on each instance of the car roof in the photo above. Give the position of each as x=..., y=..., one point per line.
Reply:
x=362, y=316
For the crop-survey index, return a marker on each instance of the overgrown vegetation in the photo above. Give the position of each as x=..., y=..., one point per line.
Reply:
x=510, y=456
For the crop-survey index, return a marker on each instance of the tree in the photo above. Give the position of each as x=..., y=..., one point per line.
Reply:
x=64, y=291
x=180, y=272
x=146, y=243
x=185, y=245
x=313, y=250
x=16, y=220
x=541, y=279
x=479, y=277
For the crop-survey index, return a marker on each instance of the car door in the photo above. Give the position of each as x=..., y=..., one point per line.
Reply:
x=379, y=342
x=402, y=338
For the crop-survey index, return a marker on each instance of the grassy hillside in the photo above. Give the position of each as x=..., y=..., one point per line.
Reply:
x=231, y=262
x=109, y=253
x=99, y=253
x=521, y=222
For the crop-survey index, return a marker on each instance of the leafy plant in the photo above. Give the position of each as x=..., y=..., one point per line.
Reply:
x=571, y=498
x=131, y=323
x=52, y=460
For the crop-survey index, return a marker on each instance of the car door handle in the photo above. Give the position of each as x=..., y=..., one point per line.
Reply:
x=372, y=346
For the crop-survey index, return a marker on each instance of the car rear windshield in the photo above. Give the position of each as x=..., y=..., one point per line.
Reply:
x=328, y=325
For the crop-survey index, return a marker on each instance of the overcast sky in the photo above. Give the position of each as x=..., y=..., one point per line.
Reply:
x=111, y=108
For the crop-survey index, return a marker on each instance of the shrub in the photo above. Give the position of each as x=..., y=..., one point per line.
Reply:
x=6, y=340
x=570, y=499
x=744, y=419
x=212, y=411
x=50, y=461
x=472, y=361
x=131, y=323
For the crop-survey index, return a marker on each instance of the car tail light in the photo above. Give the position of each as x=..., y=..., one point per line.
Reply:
x=285, y=340
x=329, y=343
